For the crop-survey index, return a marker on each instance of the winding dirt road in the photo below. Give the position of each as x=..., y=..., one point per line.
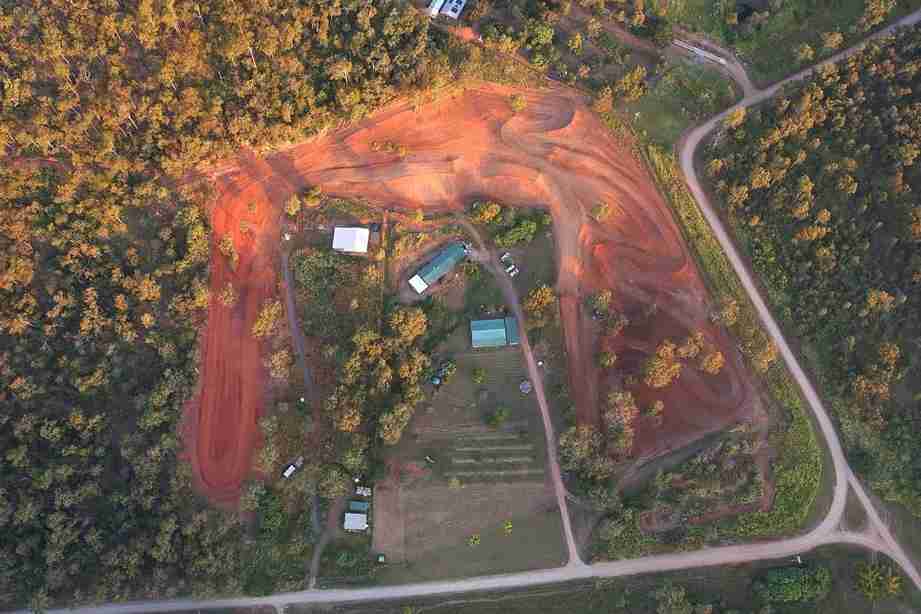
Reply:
x=844, y=477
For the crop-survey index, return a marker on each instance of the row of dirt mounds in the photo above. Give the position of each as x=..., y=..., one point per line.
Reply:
x=469, y=144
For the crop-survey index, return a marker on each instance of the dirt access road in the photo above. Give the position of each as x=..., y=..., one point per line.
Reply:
x=844, y=477
x=514, y=301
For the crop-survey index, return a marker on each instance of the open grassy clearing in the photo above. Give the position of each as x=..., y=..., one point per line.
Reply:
x=472, y=466
x=683, y=93
x=769, y=45
x=727, y=589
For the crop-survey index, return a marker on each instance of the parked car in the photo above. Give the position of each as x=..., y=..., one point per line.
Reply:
x=505, y=258
x=514, y=272
x=290, y=469
x=510, y=268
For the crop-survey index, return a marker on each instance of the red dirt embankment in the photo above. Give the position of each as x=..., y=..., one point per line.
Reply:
x=555, y=154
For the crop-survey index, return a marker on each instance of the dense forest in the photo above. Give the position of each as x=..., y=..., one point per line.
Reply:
x=105, y=109
x=821, y=186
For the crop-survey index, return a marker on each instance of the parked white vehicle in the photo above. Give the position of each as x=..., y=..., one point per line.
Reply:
x=290, y=469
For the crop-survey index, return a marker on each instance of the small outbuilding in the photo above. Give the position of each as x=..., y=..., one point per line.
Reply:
x=453, y=8
x=497, y=332
x=359, y=507
x=435, y=7
x=356, y=522
x=352, y=240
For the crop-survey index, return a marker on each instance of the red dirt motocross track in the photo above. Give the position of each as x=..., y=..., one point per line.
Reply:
x=556, y=155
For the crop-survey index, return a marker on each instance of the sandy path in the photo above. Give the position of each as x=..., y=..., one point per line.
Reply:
x=513, y=300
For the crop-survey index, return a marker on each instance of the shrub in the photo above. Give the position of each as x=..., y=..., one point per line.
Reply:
x=795, y=584
x=478, y=376
x=522, y=232
x=486, y=212
x=498, y=417
x=267, y=320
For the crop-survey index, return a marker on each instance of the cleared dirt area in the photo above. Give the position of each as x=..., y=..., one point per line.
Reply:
x=470, y=145
x=221, y=420
x=555, y=154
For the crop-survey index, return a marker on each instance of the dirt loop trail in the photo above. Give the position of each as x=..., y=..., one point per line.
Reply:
x=558, y=155
x=555, y=154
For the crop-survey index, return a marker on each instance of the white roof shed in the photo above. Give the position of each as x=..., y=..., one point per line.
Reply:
x=355, y=522
x=352, y=240
x=418, y=284
x=435, y=7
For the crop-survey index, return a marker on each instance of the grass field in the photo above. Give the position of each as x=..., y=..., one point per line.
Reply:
x=482, y=478
x=728, y=589
x=683, y=95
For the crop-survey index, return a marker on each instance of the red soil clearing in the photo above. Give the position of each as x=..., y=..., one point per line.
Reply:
x=555, y=154
x=221, y=421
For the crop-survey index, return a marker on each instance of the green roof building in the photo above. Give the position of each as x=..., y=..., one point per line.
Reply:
x=494, y=333
x=359, y=506
x=438, y=267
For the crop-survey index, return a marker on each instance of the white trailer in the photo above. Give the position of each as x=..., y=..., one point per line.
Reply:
x=435, y=7
x=700, y=52
x=453, y=8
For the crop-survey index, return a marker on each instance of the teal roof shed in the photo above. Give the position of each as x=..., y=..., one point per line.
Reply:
x=494, y=333
x=359, y=506
x=442, y=263
x=511, y=331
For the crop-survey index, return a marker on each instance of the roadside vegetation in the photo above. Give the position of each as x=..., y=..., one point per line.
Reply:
x=832, y=579
x=823, y=205
x=799, y=466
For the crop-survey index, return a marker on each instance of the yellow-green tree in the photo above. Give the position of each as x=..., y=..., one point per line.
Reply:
x=267, y=320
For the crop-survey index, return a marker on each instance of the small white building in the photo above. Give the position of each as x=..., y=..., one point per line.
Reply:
x=453, y=8
x=355, y=522
x=351, y=240
x=435, y=7
x=418, y=284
